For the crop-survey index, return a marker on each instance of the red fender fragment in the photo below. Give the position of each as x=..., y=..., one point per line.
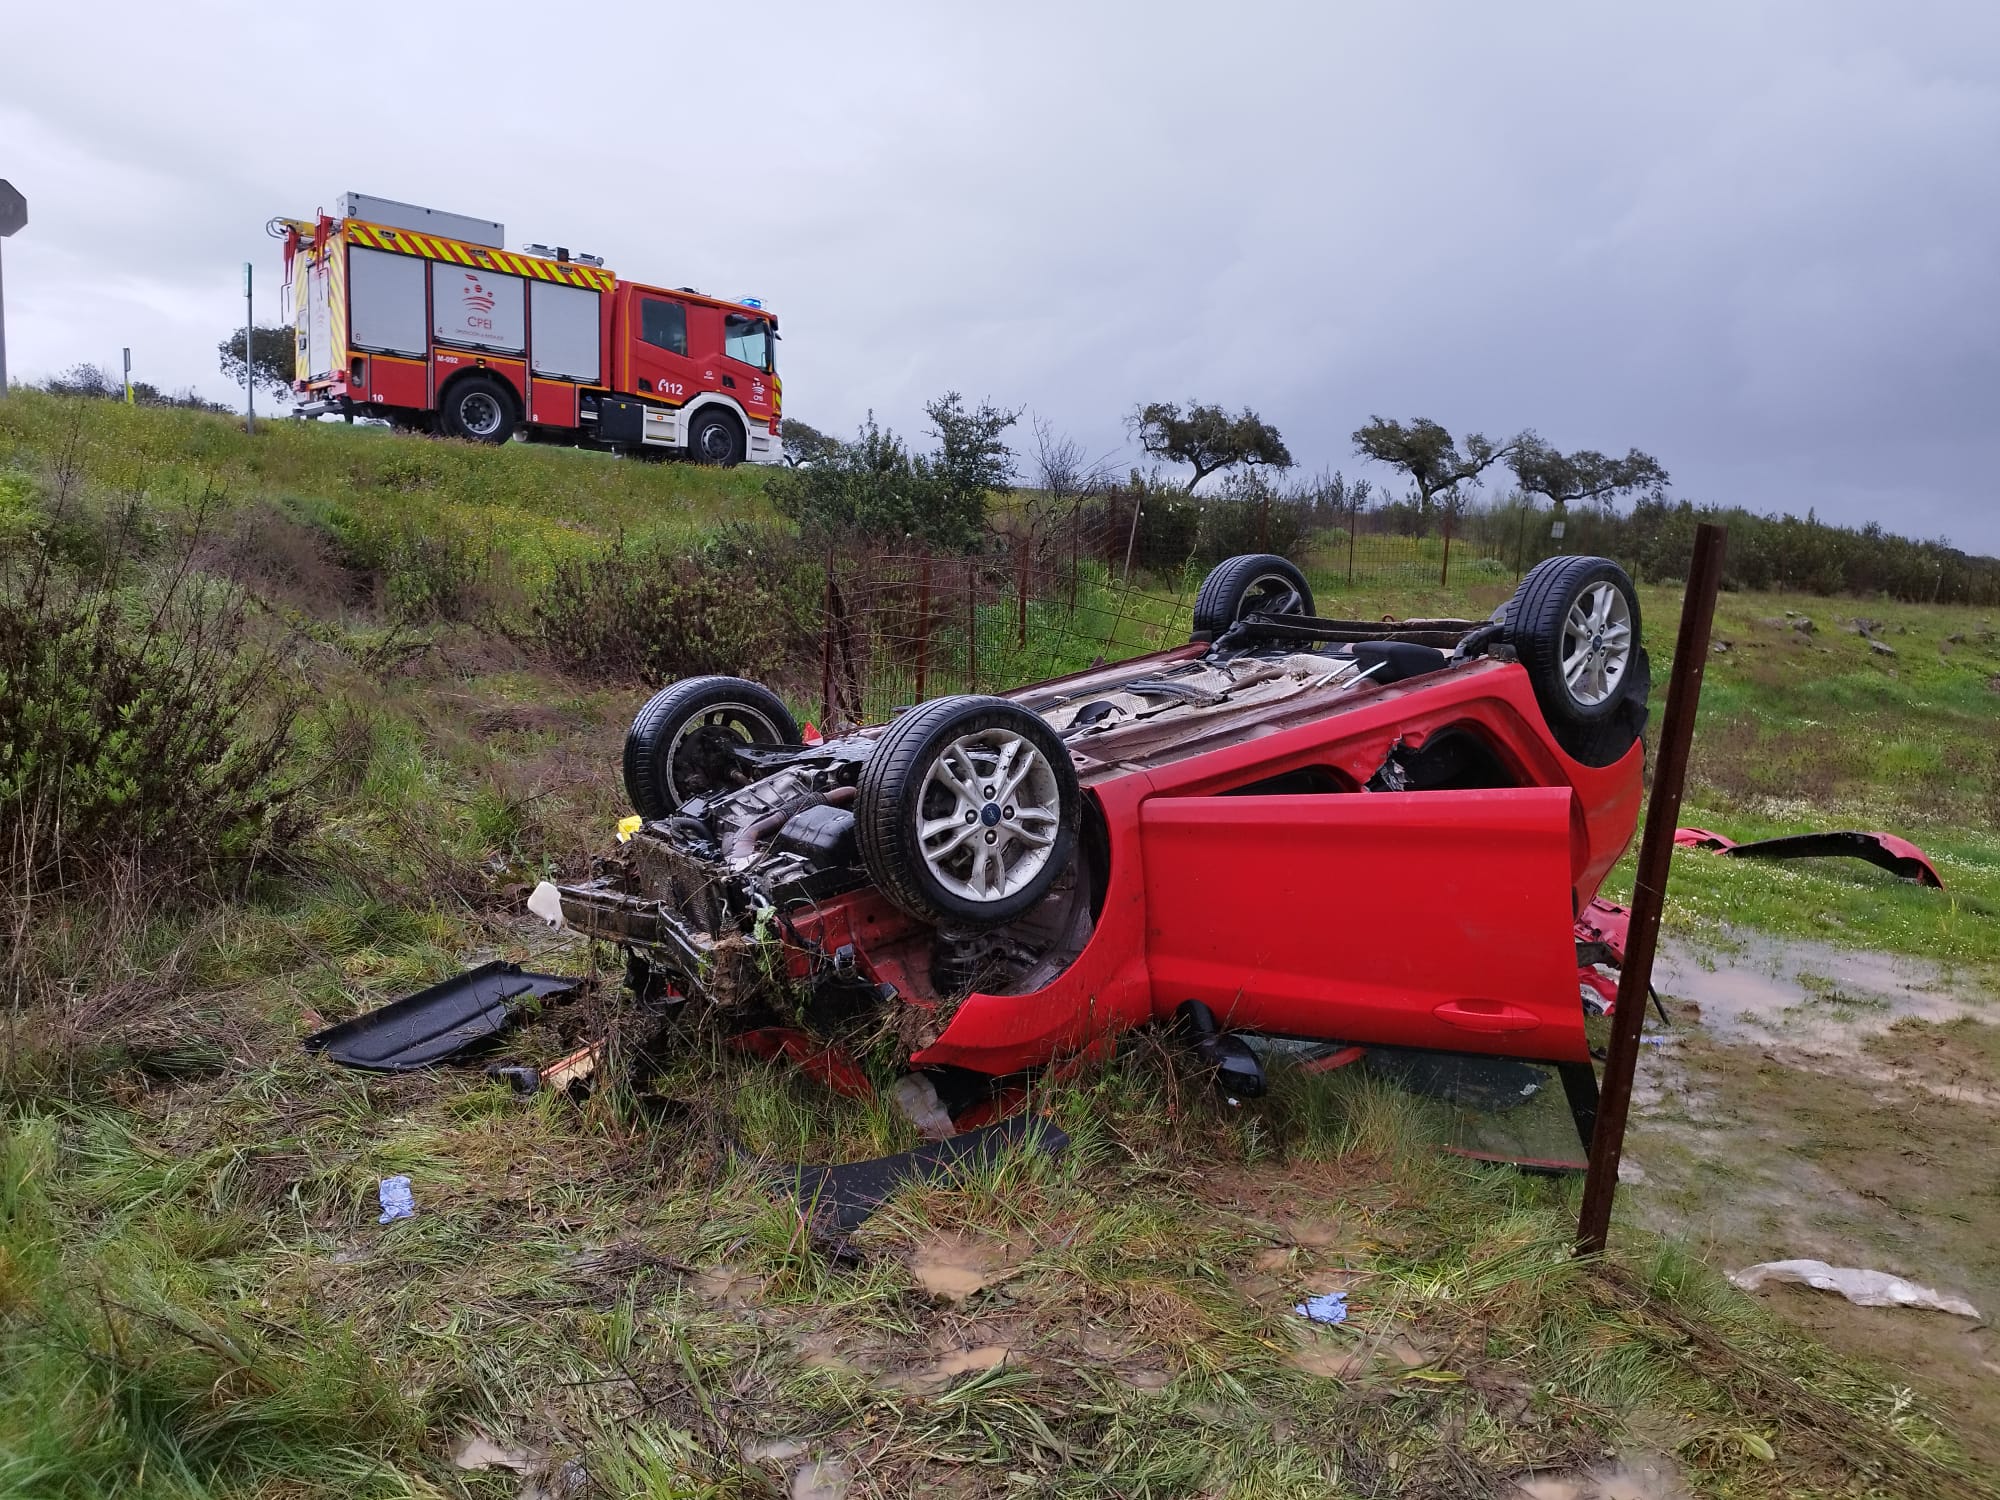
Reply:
x=832, y=1064
x=1885, y=851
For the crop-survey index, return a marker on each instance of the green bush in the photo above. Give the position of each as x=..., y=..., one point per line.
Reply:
x=140, y=728
x=656, y=613
x=422, y=570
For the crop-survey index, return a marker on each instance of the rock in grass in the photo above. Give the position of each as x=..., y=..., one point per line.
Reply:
x=1881, y=648
x=1803, y=625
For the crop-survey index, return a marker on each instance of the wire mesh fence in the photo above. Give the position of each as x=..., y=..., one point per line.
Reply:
x=1103, y=582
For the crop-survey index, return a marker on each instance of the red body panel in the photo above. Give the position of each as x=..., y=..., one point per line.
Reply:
x=1417, y=919
x=513, y=373
x=554, y=403
x=396, y=382
x=1425, y=919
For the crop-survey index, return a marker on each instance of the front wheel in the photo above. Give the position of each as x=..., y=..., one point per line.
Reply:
x=1255, y=583
x=683, y=743
x=968, y=811
x=715, y=438
x=1574, y=624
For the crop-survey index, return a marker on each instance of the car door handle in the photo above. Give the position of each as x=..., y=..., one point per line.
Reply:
x=1486, y=1015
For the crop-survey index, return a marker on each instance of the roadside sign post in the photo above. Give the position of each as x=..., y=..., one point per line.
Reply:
x=128, y=375
x=1649, y=885
x=13, y=219
x=249, y=369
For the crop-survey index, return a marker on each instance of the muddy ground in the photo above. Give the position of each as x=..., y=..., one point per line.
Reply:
x=1824, y=1103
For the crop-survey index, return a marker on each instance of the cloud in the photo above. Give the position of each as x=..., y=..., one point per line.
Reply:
x=1755, y=239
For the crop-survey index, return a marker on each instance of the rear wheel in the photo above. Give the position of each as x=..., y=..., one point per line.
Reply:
x=1574, y=624
x=968, y=811
x=715, y=438
x=1259, y=583
x=683, y=743
x=478, y=408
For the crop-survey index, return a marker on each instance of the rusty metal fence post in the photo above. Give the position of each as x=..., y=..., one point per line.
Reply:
x=826, y=649
x=923, y=625
x=1353, y=529
x=1649, y=886
x=971, y=625
x=1021, y=566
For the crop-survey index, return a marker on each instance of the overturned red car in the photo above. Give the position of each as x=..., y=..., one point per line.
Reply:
x=1330, y=831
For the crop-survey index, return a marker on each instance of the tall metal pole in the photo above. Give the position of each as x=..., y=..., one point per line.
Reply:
x=1649, y=886
x=249, y=367
x=13, y=219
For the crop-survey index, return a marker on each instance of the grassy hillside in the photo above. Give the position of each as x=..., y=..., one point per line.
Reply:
x=530, y=506
x=196, y=1298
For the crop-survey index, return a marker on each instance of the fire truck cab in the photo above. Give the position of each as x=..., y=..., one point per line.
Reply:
x=425, y=320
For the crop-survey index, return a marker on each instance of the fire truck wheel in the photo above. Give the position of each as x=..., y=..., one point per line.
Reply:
x=715, y=438
x=479, y=408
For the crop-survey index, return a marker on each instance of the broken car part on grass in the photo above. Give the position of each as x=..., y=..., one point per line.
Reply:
x=1365, y=833
x=438, y=1022
x=1885, y=851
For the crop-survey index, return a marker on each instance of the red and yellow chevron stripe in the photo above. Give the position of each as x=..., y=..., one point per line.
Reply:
x=336, y=302
x=436, y=247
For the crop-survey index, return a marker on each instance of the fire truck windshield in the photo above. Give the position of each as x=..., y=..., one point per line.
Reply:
x=747, y=339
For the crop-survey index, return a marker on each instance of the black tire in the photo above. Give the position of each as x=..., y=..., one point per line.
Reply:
x=715, y=437
x=479, y=409
x=1593, y=701
x=670, y=756
x=894, y=803
x=1255, y=582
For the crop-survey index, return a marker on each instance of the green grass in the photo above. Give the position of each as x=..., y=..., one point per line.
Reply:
x=530, y=505
x=196, y=1300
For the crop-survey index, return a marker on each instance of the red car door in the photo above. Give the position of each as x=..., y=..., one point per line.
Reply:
x=1417, y=919
x=659, y=362
x=746, y=361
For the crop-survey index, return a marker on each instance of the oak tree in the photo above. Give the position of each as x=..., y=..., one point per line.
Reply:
x=1208, y=439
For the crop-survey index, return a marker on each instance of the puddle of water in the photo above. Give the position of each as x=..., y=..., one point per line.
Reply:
x=1641, y=1479
x=775, y=1450
x=1124, y=1359
x=824, y=1351
x=928, y=1379
x=1793, y=992
x=481, y=1452
x=827, y=1479
x=955, y=1268
x=1338, y=1359
x=727, y=1286
x=1313, y=1233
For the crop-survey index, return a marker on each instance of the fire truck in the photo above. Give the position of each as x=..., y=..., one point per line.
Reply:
x=426, y=319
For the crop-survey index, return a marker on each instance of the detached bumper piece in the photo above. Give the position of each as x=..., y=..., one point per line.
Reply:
x=1885, y=851
x=840, y=1199
x=438, y=1022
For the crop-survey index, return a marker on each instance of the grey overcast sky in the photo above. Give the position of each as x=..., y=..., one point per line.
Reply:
x=1759, y=239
